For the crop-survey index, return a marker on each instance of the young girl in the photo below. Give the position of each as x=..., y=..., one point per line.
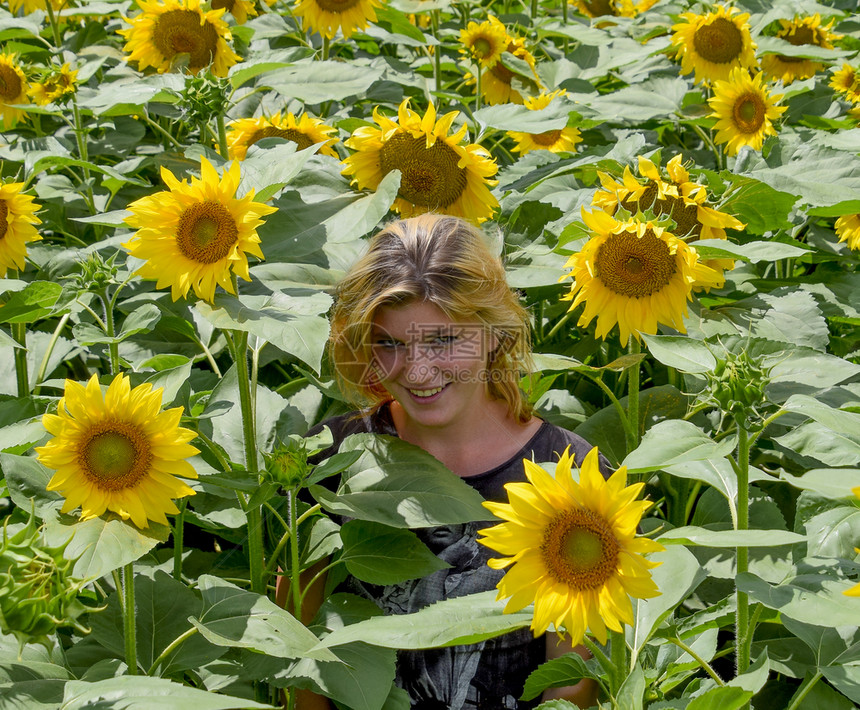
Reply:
x=427, y=332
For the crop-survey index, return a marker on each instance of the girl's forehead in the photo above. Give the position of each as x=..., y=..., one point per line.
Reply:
x=423, y=314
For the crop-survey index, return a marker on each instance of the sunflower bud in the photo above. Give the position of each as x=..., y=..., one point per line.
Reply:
x=287, y=465
x=737, y=384
x=204, y=96
x=37, y=591
x=96, y=273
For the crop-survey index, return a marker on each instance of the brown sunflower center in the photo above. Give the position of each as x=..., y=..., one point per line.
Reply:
x=684, y=214
x=579, y=549
x=115, y=455
x=226, y=4
x=336, y=6
x=290, y=134
x=599, y=8
x=749, y=113
x=10, y=84
x=634, y=266
x=800, y=36
x=206, y=232
x=719, y=42
x=4, y=217
x=431, y=176
x=181, y=32
x=546, y=138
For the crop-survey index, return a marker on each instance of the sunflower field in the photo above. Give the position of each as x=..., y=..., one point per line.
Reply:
x=674, y=187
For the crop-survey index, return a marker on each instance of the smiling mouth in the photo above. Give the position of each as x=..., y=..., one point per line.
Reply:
x=426, y=393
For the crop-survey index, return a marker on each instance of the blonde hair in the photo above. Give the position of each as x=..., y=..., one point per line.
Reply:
x=445, y=261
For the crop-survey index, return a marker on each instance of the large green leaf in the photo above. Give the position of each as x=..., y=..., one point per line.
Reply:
x=837, y=420
x=146, y=693
x=290, y=322
x=129, y=95
x=828, y=482
x=684, y=354
x=702, y=537
x=398, y=484
x=655, y=98
x=363, y=215
x=823, y=444
x=452, y=622
x=27, y=481
x=725, y=698
x=238, y=618
x=846, y=679
x=829, y=645
x=380, y=554
x=672, y=442
x=834, y=533
x=34, y=302
x=513, y=117
x=267, y=169
x=632, y=690
x=810, y=599
x=761, y=208
x=556, y=673
x=314, y=81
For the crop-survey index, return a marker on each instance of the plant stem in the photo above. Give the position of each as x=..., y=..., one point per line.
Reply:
x=19, y=334
x=326, y=48
x=128, y=612
x=534, y=12
x=178, y=539
x=43, y=366
x=294, y=554
x=698, y=659
x=81, y=140
x=558, y=324
x=803, y=691
x=222, y=135
x=110, y=331
x=437, y=51
x=633, y=392
x=618, y=649
x=742, y=618
x=172, y=646
x=622, y=415
x=55, y=28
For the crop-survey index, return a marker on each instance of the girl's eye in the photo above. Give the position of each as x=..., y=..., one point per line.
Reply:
x=444, y=339
x=387, y=343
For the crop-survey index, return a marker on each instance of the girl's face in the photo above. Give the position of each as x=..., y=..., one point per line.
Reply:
x=434, y=367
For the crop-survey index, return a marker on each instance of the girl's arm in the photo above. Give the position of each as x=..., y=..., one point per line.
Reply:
x=584, y=693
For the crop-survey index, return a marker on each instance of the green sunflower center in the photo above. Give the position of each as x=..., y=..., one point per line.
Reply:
x=4, y=218
x=579, y=549
x=290, y=134
x=634, y=266
x=482, y=47
x=206, y=232
x=684, y=214
x=180, y=32
x=546, y=138
x=719, y=41
x=599, y=8
x=431, y=176
x=114, y=455
x=336, y=6
x=749, y=112
x=10, y=84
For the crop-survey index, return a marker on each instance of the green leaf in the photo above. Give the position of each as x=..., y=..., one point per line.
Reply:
x=754, y=678
x=128, y=96
x=685, y=354
x=829, y=646
x=55, y=161
x=828, y=482
x=100, y=546
x=452, y=622
x=363, y=215
x=398, y=484
x=237, y=618
x=761, y=208
x=823, y=444
x=380, y=554
x=140, y=320
x=267, y=170
x=725, y=698
x=27, y=481
x=632, y=690
x=674, y=441
x=654, y=98
x=702, y=537
x=245, y=71
x=751, y=251
x=513, y=117
x=834, y=533
x=314, y=81
x=31, y=304
x=677, y=576
x=837, y=420
x=557, y=673
x=290, y=323
x=145, y=693
x=809, y=598
x=846, y=679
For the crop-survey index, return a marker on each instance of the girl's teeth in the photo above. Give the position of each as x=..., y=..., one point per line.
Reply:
x=426, y=393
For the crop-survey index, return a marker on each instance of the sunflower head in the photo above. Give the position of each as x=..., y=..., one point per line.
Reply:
x=573, y=548
x=800, y=31
x=17, y=220
x=117, y=451
x=484, y=42
x=198, y=234
x=561, y=140
x=848, y=230
x=611, y=8
x=745, y=111
x=58, y=85
x=13, y=89
x=846, y=81
x=179, y=33
x=304, y=132
x=713, y=44
x=326, y=17
x=636, y=274
x=501, y=84
x=439, y=172
x=240, y=9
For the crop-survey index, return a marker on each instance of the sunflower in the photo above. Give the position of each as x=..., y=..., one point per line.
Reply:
x=612, y=8
x=17, y=217
x=439, y=173
x=56, y=85
x=713, y=44
x=240, y=9
x=562, y=140
x=304, y=132
x=117, y=451
x=13, y=89
x=485, y=42
x=497, y=82
x=799, y=32
x=847, y=81
x=33, y=5
x=326, y=17
x=573, y=546
x=636, y=274
x=848, y=230
x=168, y=32
x=745, y=110
x=194, y=234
